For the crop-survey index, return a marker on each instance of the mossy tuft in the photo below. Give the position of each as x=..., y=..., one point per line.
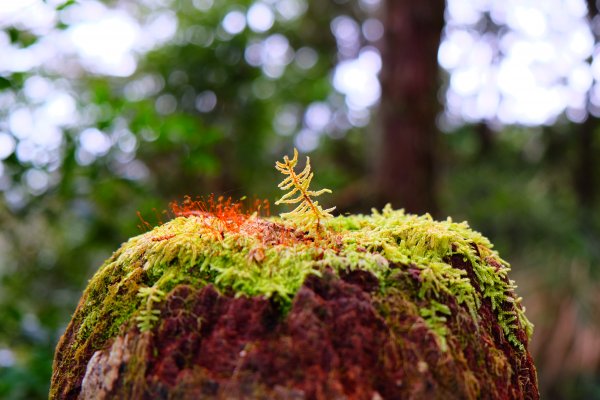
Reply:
x=244, y=255
x=268, y=257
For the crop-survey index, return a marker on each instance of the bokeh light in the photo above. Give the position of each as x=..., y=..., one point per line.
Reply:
x=530, y=73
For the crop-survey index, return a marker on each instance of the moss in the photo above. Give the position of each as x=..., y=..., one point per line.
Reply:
x=445, y=265
x=426, y=245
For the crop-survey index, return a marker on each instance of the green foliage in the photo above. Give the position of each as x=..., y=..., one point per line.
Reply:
x=148, y=315
x=65, y=5
x=426, y=245
x=435, y=317
x=29, y=379
x=309, y=213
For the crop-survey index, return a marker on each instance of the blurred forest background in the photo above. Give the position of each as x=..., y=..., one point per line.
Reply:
x=483, y=110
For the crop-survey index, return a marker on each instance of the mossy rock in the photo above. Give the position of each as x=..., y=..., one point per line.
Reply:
x=229, y=305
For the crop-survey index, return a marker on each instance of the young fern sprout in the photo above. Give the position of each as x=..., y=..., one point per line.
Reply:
x=308, y=213
x=148, y=316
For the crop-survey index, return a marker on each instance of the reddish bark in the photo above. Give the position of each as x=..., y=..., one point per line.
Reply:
x=406, y=167
x=340, y=339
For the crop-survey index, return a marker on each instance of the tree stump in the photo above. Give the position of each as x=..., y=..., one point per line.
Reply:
x=227, y=305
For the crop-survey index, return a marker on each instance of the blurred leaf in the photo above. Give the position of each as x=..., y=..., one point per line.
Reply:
x=4, y=83
x=66, y=4
x=21, y=37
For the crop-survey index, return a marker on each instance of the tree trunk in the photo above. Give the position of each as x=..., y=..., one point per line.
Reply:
x=586, y=167
x=405, y=174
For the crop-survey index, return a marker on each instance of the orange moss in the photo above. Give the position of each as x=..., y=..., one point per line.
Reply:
x=221, y=215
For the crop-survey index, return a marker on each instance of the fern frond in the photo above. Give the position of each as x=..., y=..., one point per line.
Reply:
x=308, y=213
x=148, y=316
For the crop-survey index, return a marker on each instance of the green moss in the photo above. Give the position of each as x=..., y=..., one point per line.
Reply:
x=435, y=317
x=268, y=258
x=426, y=244
x=149, y=315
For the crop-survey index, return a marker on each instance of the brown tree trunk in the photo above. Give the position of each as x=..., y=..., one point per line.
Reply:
x=585, y=168
x=585, y=173
x=405, y=171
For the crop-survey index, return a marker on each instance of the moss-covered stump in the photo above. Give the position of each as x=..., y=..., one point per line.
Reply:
x=229, y=305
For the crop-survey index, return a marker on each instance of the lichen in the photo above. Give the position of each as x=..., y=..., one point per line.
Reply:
x=246, y=255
